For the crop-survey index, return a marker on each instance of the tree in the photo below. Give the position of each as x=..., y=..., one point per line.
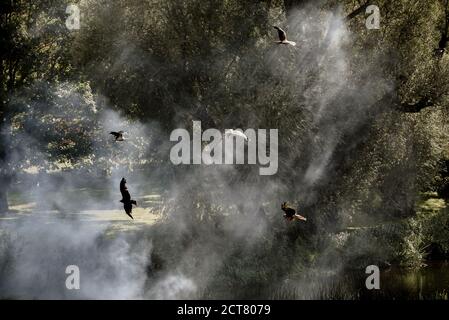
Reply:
x=33, y=41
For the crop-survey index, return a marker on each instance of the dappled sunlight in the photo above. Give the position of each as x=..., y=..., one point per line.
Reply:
x=227, y=162
x=115, y=219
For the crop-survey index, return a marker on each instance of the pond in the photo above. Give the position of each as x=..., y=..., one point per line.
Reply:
x=427, y=283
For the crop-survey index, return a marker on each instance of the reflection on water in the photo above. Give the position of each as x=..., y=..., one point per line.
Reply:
x=430, y=282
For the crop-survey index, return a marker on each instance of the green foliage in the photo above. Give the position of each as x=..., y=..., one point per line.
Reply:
x=57, y=124
x=355, y=107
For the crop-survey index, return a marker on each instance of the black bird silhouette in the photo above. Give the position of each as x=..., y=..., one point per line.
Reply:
x=118, y=135
x=126, y=198
x=283, y=37
x=290, y=213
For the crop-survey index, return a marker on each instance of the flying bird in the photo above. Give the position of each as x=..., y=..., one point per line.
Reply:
x=118, y=135
x=126, y=198
x=236, y=133
x=283, y=37
x=290, y=213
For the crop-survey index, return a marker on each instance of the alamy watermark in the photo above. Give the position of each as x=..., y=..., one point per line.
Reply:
x=220, y=147
x=373, y=280
x=73, y=20
x=373, y=20
x=72, y=282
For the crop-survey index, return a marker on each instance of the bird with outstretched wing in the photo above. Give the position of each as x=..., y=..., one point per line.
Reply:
x=283, y=37
x=126, y=198
x=236, y=133
x=118, y=135
x=290, y=213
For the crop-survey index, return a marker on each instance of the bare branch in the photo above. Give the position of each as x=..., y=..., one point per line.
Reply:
x=358, y=11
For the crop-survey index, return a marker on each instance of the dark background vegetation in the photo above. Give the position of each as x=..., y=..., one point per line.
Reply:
x=362, y=114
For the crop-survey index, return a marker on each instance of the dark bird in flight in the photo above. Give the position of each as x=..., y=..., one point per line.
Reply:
x=118, y=135
x=126, y=198
x=283, y=37
x=290, y=213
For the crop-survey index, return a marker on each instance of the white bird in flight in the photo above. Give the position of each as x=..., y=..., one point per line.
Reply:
x=236, y=133
x=283, y=37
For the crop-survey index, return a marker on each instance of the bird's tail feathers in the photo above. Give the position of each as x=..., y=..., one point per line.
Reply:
x=299, y=217
x=289, y=42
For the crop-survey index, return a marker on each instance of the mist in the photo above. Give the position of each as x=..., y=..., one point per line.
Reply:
x=199, y=231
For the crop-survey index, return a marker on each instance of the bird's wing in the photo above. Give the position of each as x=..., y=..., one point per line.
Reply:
x=290, y=42
x=282, y=35
x=241, y=134
x=290, y=212
x=124, y=191
x=300, y=217
x=237, y=133
x=128, y=210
